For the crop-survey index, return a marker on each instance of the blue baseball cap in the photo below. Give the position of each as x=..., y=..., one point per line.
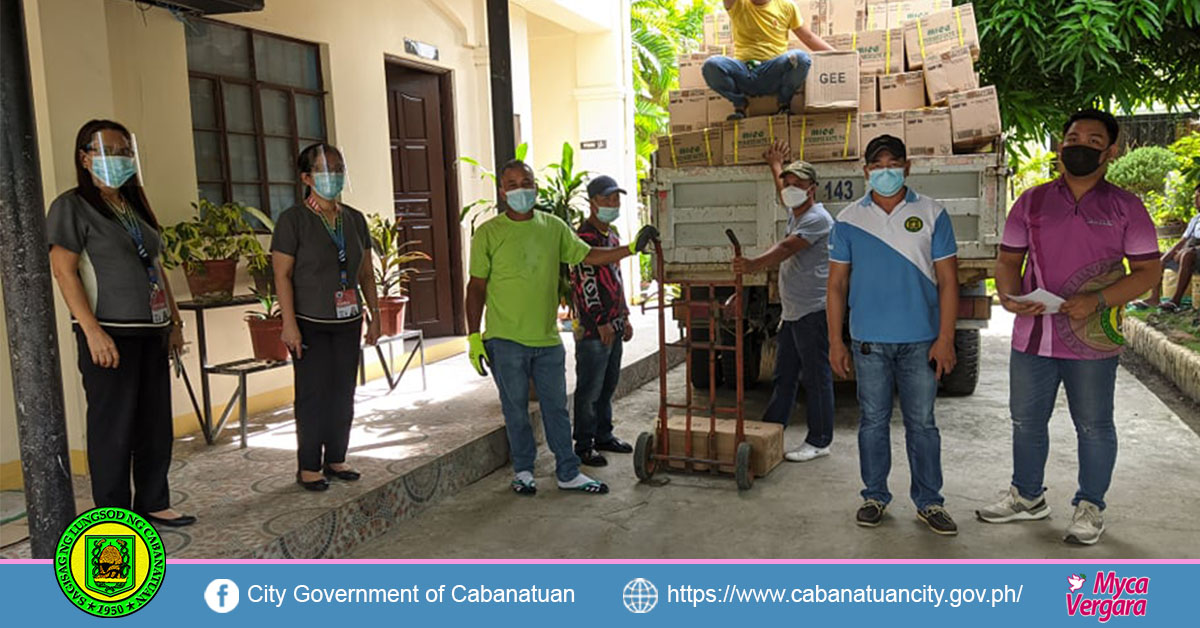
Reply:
x=603, y=185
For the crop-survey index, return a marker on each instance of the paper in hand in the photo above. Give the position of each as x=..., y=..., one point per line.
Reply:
x=1052, y=301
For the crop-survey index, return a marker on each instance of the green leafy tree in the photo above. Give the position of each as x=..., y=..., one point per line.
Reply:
x=1048, y=58
x=1143, y=170
x=661, y=31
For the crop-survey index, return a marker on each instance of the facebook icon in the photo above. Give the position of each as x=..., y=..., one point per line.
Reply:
x=222, y=595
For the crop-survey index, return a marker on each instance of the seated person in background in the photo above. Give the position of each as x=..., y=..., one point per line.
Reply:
x=764, y=65
x=1181, y=259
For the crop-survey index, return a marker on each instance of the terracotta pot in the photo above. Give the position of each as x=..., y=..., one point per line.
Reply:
x=265, y=338
x=214, y=282
x=391, y=315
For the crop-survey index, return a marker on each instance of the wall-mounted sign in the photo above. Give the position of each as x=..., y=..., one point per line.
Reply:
x=421, y=49
x=593, y=145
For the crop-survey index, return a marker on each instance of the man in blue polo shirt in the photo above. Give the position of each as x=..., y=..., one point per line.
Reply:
x=903, y=301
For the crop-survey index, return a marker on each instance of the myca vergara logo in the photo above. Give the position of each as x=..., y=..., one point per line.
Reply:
x=1111, y=596
x=110, y=562
x=914, y=224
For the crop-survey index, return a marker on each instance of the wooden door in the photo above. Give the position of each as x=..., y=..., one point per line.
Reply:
x=420, y=195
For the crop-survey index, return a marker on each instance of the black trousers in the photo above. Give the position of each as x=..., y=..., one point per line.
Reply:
x=325, y=380
x=129, y=423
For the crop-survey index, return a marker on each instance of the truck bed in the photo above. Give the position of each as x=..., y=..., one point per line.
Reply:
x=694, y=206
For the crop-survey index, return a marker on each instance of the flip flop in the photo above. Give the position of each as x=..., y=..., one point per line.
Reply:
x=1169, y=306
x=524, y=488
x=1141, y=304
x=595, y=487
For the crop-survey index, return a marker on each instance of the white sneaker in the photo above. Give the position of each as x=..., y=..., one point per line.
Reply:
x=1086, y=525
x=1015, y=508
x=806, y=452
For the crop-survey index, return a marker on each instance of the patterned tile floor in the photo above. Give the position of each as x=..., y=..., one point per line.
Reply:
x=413, y=447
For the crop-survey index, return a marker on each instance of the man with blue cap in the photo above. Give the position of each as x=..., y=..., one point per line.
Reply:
x=601, y=326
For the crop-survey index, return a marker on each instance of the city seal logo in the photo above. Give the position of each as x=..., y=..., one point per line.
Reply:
x=110, y=562
x=913, y=224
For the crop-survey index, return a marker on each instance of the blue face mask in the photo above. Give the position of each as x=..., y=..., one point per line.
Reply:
x=608, y=214
x=521, y=200
x=887, y=181
x=113, y=171
x=328, y=184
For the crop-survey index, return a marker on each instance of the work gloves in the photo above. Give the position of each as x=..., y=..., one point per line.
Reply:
x=478, y=354
x=645, y=236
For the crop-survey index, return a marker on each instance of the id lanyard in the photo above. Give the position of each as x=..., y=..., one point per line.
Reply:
x=338, y=234
x=133, y=227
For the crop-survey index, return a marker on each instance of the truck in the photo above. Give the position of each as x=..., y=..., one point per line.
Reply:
x=693, y=206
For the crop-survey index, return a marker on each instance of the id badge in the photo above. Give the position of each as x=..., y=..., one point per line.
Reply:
x=345, y=303
x=160, y=312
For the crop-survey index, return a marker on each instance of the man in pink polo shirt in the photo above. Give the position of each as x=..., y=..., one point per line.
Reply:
x=1076, y=233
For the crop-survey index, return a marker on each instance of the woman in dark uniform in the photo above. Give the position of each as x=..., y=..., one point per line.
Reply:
x=104, y=252
x=321, y=252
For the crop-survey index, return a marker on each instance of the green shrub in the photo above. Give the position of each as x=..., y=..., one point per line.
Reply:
x=1143, y=170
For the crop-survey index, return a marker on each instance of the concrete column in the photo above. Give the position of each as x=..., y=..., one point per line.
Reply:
x=28, y=298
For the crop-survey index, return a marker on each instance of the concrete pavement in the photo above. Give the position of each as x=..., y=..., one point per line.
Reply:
x=806, y=510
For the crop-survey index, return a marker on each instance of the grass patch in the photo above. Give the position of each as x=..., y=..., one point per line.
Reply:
x=1182, y=328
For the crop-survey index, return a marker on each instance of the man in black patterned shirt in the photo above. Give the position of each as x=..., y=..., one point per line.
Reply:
x=601, y=326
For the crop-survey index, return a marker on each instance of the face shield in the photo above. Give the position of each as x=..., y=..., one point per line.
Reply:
x=329, y=173
x=114, y=158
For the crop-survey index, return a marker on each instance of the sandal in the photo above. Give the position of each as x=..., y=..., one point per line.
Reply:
x=595, y=487
x=1141, y=304
x=524, y=488
x=1169, y=306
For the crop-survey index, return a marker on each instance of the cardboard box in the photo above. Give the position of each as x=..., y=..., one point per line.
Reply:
x=818, y=137
x=872, y=125
x=832, y=82
x=884, y=14
x=718, y=109
x=939, y=32
x=845, y=16
x=690, y=71
x=868, y=94
x=745, y=141
x=974, y=118
x=766, y=443
x=879, y=52
x=697, y=148
x=927, y=132
x=688, y=109
x=949, y=72
x=718, y=29
x=898, y=92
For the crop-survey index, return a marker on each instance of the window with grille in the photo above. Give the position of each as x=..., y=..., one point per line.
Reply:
x=257, y=99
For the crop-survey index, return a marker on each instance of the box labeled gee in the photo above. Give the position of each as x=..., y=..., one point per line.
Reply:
x=832, y=83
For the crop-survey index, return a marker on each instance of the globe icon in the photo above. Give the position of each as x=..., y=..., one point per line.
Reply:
x=640, y=596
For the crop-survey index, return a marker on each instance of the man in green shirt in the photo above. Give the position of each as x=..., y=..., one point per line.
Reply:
x=515, y=260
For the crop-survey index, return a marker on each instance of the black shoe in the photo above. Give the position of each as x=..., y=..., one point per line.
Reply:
x=348, y=475
x=784, y=110
x=592, y=458
x=870, y=514
x=738, y=114
x=938, y=520
x=616, y=445
x=177, y=522
x=316, y=485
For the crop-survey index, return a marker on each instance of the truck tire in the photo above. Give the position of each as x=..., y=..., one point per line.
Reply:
x=962, y=380
x=700, y=369
x=751, y=363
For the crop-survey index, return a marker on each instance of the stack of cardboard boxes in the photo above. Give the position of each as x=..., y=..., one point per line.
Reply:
x=901, y=68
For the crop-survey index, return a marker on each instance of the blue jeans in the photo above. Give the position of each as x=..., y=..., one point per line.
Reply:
x=1033, y=388
x=513, y=365
x=781, y=76
x=803, y=355
x=889, y=368
x=597, y=372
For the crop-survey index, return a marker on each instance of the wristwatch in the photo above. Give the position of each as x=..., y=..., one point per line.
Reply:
x=1101, y=303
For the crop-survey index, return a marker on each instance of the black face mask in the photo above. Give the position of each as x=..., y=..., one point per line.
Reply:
x=1079, y=160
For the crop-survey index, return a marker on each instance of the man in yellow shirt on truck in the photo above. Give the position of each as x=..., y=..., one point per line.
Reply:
x=762, y=65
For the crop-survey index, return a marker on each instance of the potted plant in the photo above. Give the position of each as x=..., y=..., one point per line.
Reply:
x=208, y=246
x=266, y=327
x=392, y=272
x=258, y=259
